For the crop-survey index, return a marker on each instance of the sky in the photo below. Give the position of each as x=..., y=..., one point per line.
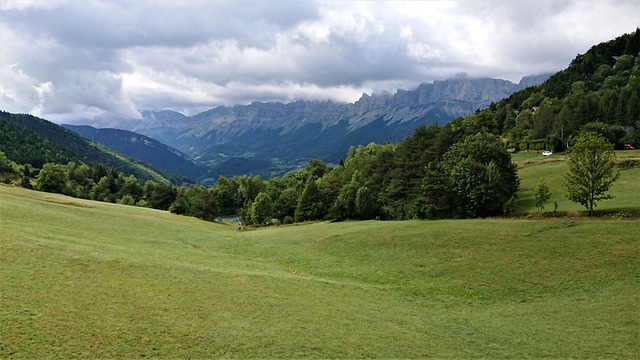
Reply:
x=69, y=60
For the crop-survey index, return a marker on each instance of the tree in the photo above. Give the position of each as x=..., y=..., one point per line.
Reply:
x=345, y=204
x=262, y=209
x=286, y=204
x=245, y=214
x=225, y=193
x=127, y=200
x=107, y=187
x=180, y=205
x=100, y=191
x=543, y=119
x=131, y=187
x=365, y=205
x=316, y=168
x=148, y=189
x=591, y=170
x=436, y=198
x=195, y=201
x=53, y=178
x=310, y=205
x=202, y=203
x=248, y=188
x=26, y=177
x=5, y=163
x=541, y=194
x=162, y=197
x=479, y=177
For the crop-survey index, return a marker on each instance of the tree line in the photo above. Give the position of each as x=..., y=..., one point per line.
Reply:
x=438, y=172
x=422, y=177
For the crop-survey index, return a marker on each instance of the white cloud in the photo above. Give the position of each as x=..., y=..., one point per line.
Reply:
x=65, y=59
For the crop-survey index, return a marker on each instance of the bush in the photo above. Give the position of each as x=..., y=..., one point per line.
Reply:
x=127, y=200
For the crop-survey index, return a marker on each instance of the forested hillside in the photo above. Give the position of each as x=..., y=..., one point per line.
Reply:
x=461, y=169
x=598, y=91
x=25, y=146
x=143, y=148
x=27, y=139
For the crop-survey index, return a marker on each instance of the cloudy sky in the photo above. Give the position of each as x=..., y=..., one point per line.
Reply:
x=64, y=60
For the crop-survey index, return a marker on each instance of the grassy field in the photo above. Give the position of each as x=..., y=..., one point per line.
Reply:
x=87, y=279
x=552, y=169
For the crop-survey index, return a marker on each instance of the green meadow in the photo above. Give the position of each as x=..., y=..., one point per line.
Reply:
x=96, y=280
x=533, y=167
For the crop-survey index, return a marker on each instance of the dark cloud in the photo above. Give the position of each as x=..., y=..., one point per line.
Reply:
x=124, y=24
x=61, y=59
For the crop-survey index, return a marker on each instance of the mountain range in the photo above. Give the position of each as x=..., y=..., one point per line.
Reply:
x=270, y=139
x=597, y=91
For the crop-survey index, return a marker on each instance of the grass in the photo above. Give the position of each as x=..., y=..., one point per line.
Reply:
x=626, y=190
x=87, y=279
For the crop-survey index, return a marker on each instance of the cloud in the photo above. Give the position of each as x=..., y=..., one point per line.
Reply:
x=66, y=59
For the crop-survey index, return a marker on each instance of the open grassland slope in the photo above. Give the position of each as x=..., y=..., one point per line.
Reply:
x=533, y=167
x=88, y=279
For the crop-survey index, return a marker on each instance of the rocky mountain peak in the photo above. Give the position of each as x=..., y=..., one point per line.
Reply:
x=300, y=128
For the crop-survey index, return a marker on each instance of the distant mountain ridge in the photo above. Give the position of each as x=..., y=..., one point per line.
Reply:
x=289, y=134
x=143, y=148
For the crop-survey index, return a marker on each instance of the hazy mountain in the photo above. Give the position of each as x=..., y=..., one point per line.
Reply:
x=143, y=148
x=164, y=125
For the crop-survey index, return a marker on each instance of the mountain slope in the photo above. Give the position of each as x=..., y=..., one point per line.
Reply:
x=599, y=91
x=143, y=148
x=28, y=139
x=25, y=146
x=164, y=125
x=115, y=281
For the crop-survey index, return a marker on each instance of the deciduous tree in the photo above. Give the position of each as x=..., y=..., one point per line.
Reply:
x=541, y=194
x=53, y=178
x=262, y=209
x=5, y=163
x=591, y=170
x=365, y=204
x=480, y=176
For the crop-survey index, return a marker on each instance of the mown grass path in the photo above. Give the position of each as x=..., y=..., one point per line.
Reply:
x=87, y=279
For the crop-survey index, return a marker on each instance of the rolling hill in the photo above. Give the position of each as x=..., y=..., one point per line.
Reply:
x=89, y=279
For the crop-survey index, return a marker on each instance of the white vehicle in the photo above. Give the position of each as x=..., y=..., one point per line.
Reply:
x=547, y=153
